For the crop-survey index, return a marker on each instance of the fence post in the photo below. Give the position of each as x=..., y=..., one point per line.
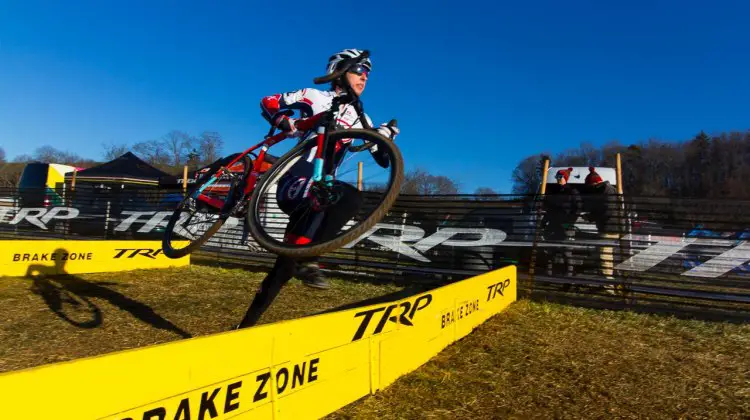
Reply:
x=184, y=179
x=71, y=200
x=359, y=176
x=538, y=212
x=625, y=225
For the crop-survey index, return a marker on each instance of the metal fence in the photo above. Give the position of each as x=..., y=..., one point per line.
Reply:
x=654, y=253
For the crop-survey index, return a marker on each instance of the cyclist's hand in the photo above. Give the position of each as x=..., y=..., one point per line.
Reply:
x=285, y=124
x=387, y=131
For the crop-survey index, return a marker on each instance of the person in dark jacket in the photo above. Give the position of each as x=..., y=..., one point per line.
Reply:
x=561, y=210
x=602, y=205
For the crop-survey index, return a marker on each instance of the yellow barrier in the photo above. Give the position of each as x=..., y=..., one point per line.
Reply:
x=24, y=257
x=305, y=368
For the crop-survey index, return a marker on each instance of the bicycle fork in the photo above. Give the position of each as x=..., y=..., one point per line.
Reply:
x=324, y=158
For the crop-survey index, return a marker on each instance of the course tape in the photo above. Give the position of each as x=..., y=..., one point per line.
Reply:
x=33, y=257
x=299, y=369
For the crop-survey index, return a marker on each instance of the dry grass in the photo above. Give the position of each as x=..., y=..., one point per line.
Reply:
x=553, y=361
x=532, y=361
x=67, y=317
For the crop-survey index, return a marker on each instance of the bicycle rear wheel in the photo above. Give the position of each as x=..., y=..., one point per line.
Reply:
x=196, y=220
x=268, y=224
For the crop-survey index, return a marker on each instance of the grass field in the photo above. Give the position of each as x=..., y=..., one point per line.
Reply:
x=535, y=360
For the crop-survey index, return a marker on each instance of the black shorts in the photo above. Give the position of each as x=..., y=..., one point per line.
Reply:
x=307, y=222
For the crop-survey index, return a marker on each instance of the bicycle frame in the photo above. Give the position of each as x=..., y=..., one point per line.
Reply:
x=322, y=163
x=302, y=125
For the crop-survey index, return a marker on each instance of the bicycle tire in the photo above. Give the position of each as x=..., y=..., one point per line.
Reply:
x=223, y=214
x=384, y=145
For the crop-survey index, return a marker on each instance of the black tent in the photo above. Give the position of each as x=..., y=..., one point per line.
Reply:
x=127, y=169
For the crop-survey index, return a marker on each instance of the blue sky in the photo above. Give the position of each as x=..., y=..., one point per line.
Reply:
x=476, y=86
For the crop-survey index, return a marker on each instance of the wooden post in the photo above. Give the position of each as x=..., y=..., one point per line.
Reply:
x=70, y=200
x=359, y=176
x=625, y=224
x=537, y=230
x=544, y=176
x=619, y=175
x=184, y=178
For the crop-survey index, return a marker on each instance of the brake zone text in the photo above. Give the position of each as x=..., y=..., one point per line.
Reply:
x=286, y=379
x=53, y=256
x=233, y=397
x=462, y=311
x=404, y=316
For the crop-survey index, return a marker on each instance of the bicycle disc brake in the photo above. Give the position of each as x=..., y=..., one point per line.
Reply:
x=324, y=195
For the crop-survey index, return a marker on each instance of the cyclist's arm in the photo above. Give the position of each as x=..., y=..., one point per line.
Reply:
x=291, y=101
x=380, y=157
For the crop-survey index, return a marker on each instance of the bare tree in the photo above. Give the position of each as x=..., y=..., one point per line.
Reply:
x=177, y=145
x=113, y=151
x=210, y=145
x=484, y=193
x=2, y=155
x=421, y=182
x=153, y=152
x=527, y=176
x=444, y=185
x=23, y=158
x=50, y=154
x=10, y=173
x=178, y=148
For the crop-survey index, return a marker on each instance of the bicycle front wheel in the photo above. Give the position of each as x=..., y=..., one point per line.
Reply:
x=204, y=210
x=380, y=186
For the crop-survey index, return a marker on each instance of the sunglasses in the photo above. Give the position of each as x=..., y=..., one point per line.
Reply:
x=359, y=70
x=559, y=176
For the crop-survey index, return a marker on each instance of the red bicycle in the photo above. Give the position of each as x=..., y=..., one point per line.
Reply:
x=246, y=188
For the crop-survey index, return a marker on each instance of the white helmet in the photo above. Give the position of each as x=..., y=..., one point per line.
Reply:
x=340, y=56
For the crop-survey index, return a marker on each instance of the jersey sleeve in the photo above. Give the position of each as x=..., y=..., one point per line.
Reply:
x=297, y=100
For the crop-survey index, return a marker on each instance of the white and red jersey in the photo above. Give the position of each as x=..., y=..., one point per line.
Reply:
x=310, y=102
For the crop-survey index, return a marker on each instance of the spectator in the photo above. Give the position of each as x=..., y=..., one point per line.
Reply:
x=600, y=201
x=561, y=210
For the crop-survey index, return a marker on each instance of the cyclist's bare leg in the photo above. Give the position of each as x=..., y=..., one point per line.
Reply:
x=326, y=225
x=280, y=274
x=283, y=270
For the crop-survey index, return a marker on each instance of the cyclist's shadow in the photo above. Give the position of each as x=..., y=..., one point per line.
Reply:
x=68, y=297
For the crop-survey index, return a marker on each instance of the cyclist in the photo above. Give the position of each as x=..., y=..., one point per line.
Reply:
x=306, y=222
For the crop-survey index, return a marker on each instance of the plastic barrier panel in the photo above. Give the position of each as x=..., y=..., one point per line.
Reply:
x=298, y=369
x=22, y=257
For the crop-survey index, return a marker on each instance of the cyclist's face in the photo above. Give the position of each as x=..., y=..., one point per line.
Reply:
x=357, y=82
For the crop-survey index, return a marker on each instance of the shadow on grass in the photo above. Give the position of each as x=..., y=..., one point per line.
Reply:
x=69, y=297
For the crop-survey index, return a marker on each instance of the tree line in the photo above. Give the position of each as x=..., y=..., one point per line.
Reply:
x=174, y=150
x=705, y=166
